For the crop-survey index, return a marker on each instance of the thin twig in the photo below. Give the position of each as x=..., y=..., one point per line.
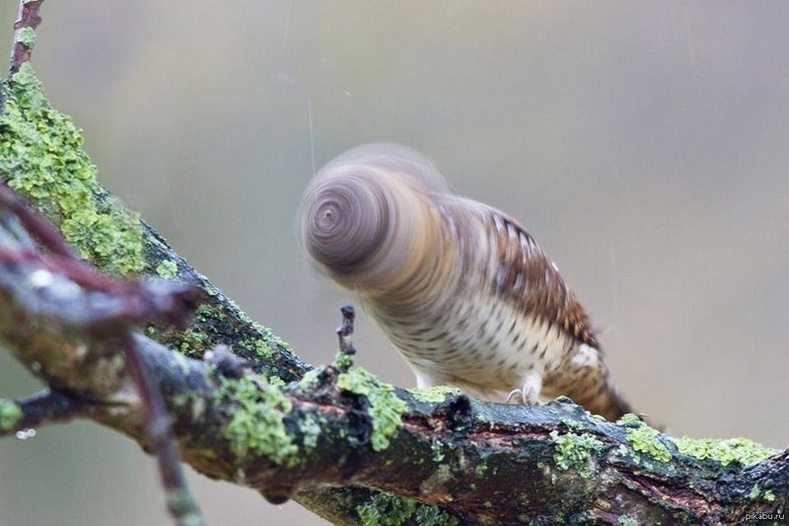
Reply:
x=125, y=304
x=344, y=359
x=36, y=224
x=23, y=47
x=345, y=331
x=43, y=407
x=180, y=501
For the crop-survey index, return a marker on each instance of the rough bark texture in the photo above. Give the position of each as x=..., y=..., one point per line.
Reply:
x=345, y=445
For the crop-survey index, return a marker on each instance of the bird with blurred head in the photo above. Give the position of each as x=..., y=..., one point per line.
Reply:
x=462, y=289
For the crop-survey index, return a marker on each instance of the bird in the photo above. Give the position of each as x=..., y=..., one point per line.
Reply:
x=460, y=288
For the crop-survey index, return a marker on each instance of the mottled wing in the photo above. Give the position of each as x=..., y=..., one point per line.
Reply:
x=529, y=278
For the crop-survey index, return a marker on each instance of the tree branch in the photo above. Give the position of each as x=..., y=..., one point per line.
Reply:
x=39, y=409
x=334, y=438
x=492, y=462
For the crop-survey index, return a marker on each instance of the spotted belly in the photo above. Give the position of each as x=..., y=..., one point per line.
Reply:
x=487, y=348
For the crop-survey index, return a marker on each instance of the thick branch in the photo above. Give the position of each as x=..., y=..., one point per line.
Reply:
x=492, y=462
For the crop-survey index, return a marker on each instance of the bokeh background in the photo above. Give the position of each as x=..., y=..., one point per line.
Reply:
x=645, y=145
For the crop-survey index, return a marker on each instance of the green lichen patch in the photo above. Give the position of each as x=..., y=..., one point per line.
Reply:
x=27, y=36
x=193, y=343
x=646, y=440
x=167, y=269
x=755, y=492
x=260, y=347
x=267, y=338
x=343, y=362
x=629, y=419
x=434, y=516
x=256, y=424
x=311, y=430
x=386, y=510
x=10, y=415
x=42, y=156
x=276, y=381
x=389, y=510
x=627, y=520
x=311, y=380
x=573, y=451
x=386, y=409
x=741, y=450
x=208, y=329
x=434, y=395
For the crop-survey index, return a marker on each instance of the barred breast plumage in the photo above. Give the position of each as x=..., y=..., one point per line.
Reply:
x=461, y=288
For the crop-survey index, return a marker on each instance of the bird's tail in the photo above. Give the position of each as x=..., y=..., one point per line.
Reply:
x=587, y=382
x=600, y=398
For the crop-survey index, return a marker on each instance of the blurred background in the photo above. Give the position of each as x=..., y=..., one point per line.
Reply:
x=645, y=145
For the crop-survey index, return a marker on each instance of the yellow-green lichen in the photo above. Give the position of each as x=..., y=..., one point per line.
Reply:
x=42, y=157
x=27, y=36
x=740, y=450
x=386, y=510
x=193, y=343
x=276, y=381
x=311, y=429
x=343, y=361
x=212, y=325
x=167, y=268
x=629, y=419
x=768, y=496
x=434, y=395
x=627, y=520
x=434, y=516
x=10, y=415
x=574, y=451
x=646, y=440
x=310, y=380
x=260, y=347
x=256, y=423
x=389, y=510
x=386, y=409
x=755, y=491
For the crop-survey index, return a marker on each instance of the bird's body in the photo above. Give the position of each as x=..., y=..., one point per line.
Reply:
x=460, y=288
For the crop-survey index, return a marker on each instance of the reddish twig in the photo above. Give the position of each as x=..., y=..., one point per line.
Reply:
x=48, y=236
x=22, y=48
x=180, y=501
x=124, y=304
x=142, y=301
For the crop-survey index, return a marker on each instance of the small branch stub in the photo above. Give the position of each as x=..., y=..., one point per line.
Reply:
x=344, y=359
